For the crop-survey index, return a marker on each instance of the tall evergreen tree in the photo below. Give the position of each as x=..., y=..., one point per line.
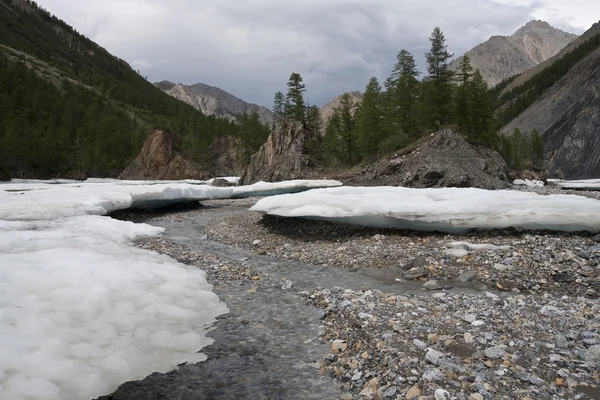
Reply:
x=278, y=106
x=405, y=75
x=439, y=80
x=464, y=96
x=332, y=139
x=349, y=153
x=537, y=149
x=313, y=119
x=368, y=120
x=294, y=106
x=482, y=112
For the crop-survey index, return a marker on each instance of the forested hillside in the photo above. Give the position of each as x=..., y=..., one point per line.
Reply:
x=67, y=106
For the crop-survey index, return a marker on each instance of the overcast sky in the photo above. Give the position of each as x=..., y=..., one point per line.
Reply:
x=250, y=47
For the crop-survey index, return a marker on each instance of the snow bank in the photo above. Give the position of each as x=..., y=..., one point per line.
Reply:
x=81, y=310
x=275, y=188
x=528, y=183
x=453, y=210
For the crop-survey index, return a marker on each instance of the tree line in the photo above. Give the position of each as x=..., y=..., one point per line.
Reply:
x=403, y=110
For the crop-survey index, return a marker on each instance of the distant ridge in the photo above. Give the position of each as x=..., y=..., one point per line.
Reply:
x=211, y=100
x=502, y=57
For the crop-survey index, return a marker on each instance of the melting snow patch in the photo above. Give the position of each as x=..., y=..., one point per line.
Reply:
x=81, y=310
x=275, y=188
x=452, y=210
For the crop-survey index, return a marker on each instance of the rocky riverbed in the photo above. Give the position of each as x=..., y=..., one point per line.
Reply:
x=328, y=311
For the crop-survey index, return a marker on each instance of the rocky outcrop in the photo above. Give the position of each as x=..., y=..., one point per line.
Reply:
x=502, y=57
x=214, y=101
x=162, y=158
x=223, y=157
x=285, y=155
x=445, y=159
x=328, y=109
x=568, y=118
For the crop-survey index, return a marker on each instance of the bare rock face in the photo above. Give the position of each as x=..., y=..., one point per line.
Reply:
x=162, y=158
x=502, y=57
x=211, y=100
x=567, y=116
x=445, y=159
x=223, y=157
x=328, y=109
x=285, y=155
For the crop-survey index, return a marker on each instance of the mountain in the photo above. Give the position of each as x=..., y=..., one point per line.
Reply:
x=502, y=57
x=211, y=100
x=561, y=100
x=68, y=107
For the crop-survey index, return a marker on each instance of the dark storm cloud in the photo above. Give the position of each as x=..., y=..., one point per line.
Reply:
x=250, y=47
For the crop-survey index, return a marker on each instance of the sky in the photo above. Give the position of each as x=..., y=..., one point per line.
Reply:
x=250, y=47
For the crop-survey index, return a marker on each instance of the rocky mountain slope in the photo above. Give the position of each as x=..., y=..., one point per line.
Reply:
x=163, y=158
x=445, y=159
x=502, y=57
x=567, y=115
x=285, y=155
x=328, y=109
x=211, y=100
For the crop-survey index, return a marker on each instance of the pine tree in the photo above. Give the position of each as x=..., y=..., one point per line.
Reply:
x=406, y=91
x=294, y=105
x=332, y=139
x=349, y=154
x=438, y=82
x=313, y=119
x=368, y=120
x=537, y=149
x=278, y=106
x=464, y=97
x=482, y=112
x=518, y=148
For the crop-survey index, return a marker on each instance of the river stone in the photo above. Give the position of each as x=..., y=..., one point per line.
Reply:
x=416, y=273
x=413, y=392
x=592, y=354
x=467, y=276
x=433, y=374
x=495, y=352
x=432, y=285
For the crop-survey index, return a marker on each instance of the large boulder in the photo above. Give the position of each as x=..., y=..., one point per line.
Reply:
x=285, y=155
x=162, y=158
x=445, y=159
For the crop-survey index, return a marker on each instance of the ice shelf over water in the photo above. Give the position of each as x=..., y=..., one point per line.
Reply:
x=528, y=183
x=453, y=210
x=582, y=184
x=81, y=310
x=275, y=188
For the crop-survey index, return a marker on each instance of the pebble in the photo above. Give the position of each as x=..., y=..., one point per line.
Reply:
x=433, y=374
x=413, y=392
x=467, y=276
x=432, y=285
x=441, y=394
x=592, y=354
